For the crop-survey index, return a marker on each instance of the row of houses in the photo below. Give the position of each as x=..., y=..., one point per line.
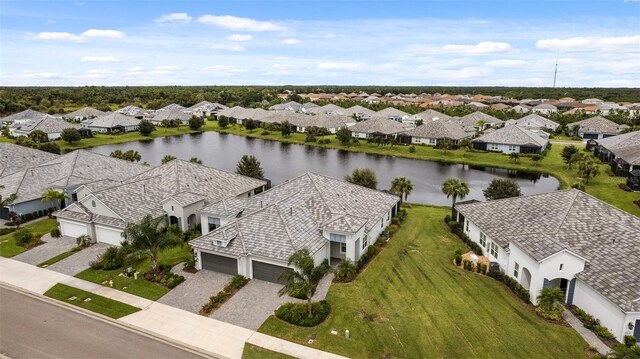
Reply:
x=622, y=153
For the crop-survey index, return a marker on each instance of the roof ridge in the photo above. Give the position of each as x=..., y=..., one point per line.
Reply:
x=286, y=228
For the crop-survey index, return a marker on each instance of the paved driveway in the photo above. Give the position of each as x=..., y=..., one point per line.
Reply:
x=78, y=262
x=50, y=249
x=195, y=290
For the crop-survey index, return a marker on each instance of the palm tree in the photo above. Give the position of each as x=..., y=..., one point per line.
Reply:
x=550, y=297
x=481, y=124
x=304, y=278
x=7, y=201
x=446, y=144
x=402, y=187
x=587, y=168
x=54, y=195
x=455, y=188
x=466, y=145
x=150, y=236
x=167, y=158
x=514, y=156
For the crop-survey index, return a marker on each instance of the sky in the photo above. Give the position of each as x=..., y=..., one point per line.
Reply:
x=304, y=42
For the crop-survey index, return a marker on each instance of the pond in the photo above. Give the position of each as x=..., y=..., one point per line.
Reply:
x=282, y=161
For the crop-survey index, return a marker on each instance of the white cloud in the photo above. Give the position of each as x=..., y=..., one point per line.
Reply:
x=227, y=47
x=181, y=17
x=240, y=23
x=227, y=69
x=342, y=66
x=104, y=34
x=506, y=63
x=239, y=37
x=290, y=41
x=481, y=48
x=57, y=36
x=135, y=70
x=165, y=69
x=51, y=22
x=589, y=43
x=96, y=74
x=99, y=59
x=40, y=75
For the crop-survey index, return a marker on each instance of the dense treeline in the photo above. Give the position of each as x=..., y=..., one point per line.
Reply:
x=65, y=99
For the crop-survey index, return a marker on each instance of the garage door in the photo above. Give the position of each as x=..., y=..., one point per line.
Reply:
x=266, y=271
x=218, y=263
x=72, y=229
x=108, y=235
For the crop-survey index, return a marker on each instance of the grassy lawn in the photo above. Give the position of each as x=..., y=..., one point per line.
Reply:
x=412, y=302
x=8, y=247
x=60, y=257
x=254, y=352
x=98, y=304
x=140, y=286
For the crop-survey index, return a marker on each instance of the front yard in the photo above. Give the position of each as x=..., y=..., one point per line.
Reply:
x=412, y=302
x=8, y=246
x=140, y=287
x=90, y=301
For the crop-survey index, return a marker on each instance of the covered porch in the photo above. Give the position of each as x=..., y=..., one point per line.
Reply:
x=633, y=180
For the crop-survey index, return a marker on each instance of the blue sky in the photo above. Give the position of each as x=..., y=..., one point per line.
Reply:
x=497, y=43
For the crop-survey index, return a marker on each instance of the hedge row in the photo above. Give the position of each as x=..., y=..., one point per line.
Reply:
x=512, y=283
x=296, y=313
x=456, y=228
x=592, y=323
x=237, y=282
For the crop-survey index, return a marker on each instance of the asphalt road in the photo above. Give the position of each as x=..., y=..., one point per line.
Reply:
x=34, y=328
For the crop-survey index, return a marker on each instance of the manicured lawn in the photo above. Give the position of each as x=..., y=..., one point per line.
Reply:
x=99, y=304
x=8, y=247
x=140, y=286
x=412, y=302
x=254, y=352
x=60, y=257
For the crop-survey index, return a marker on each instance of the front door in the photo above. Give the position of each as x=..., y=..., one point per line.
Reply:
x=636, y=332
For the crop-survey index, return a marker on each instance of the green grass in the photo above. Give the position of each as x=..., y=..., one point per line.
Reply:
x=60, y=257
x=424, y=307
x=140, y=286
x=98, y=304
x=251, y=351
x=8, y=246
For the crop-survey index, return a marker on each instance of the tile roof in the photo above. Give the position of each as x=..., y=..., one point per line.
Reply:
x=391, y=112
x=535, y=120
x=173, y=106
x=597, y=124
x=241, y=113
x=573, y=220
x=378, y=124
x=432, y=115
x=172, y=114
x=625, y=146
x=14, y=158
x=24, y=115
x=113, y=120
x=85, y=112
x=473, y=118
x=513, y=135
x=360, y=110
x=47, y=124
x=438, y=129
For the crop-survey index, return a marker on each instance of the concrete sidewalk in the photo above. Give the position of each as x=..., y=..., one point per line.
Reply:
x=213, y=336
x=586, y=334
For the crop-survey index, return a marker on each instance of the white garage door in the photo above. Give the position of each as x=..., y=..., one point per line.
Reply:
x=108, y=235
x=72, y=229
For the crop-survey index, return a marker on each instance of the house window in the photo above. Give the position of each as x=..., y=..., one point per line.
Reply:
x=432, y=141
x=338, y=238
x=343, y=248
x=494, y=147
x=561, y=267
x=512, y=148
x=93, y=204
x=218, y=243
x=213, y=223
x=493, y=249
x=466, y=226
x=381, y=224
x=516, y=269
x=483, y=240
x=365, y=241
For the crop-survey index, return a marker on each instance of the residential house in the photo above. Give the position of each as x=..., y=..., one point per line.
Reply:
x=432, y=115
x=288, y=106
x=377, y=127
x=596, y=128
x=568, y=240
x=328, y=109
x=178, y=190
x=239, y=114
x=535, y=122
x=52, y=126
x=622, y=152
x=361, y=113
x=22, y=117
x=545, y=109
x=392, y=113
x=206, y=109
x=432, y=132
x=113, y=122
x=175, y=114
x=64, y=173
x=511, y=139
x=173, y=106
x=132, y=110
x=478, y=121
x=521, y=108
x=84, y=113
x=332, y=219
x=14, y=158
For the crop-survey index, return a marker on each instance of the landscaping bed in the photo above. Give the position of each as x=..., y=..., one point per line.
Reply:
x=215, y=301
x=90, y=301
x=296, y=313
x=594, y=325
x=9, y=245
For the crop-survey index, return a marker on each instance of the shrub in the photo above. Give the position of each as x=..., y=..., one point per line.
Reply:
x=629, y=341
x=624, y=187
x=346, y=271
x=482, y=268
x=447, y=219
x=604, y=333
x=237, y=282
x=296, y=313
x=412, y=149
x=174, y=281
x=324, y=141
x=190, y=262
x=4, y=231
x=55, y=233
x=468, y=265
x=23, y=237
x=83, y=240
x=111, y=259
x=512, y=283
x=310, y=138
x=458, y=259
x=265, y=132
x=553, y=313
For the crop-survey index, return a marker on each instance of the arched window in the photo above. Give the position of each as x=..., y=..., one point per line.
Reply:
x=93, y=203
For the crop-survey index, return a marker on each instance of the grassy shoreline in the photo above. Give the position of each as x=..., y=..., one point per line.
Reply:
x=604, y=186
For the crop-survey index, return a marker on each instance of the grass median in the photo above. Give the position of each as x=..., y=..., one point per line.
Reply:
x=97, y=303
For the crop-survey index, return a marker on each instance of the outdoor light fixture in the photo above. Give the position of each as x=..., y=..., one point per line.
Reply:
x=630, y=325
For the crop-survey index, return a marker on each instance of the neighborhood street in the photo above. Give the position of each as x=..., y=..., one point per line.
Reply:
x=34, y=328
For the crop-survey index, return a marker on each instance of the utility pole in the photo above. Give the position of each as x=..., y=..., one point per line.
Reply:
x=555, y=73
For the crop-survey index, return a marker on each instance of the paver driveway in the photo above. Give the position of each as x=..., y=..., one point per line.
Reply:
x=195, y=290
x=78, y=262
x=50, y=249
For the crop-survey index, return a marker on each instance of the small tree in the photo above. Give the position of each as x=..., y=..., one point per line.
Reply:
x=250, y=125
x=514, y=157
x=150, y=236
x=363, y=177
x=550, y=296
x=146, y=127
x=502, y=188
x=195, y=160
x=575, y=158
x=223, y=121
x=70, y=135
x=466, y=145
x=402, y=187
x=6, y=202
x=445, y=144
x=50, y=147
x=167, y=158
x=567, y=153
x=195, y=123
x=536, y=158
x=304, y=278
x=130, y=155
x=344, y=136
x=455, y=188
x=54, y=195
x=587, y=169
x=285, y=129
x=250, y=166
x=38, y=136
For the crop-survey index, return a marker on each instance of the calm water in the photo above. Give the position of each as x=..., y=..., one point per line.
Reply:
x=282, y=161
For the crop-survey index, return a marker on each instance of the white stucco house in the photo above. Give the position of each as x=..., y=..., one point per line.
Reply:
x=566, y=239
x=511, y=139
x=255, y=236
x=52, y=126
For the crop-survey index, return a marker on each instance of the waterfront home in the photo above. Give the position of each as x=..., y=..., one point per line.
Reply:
x=361, y=113
x=328, y=109
x=133, y=111
x=84, y=113
x=568, y=240
x=63, y=173
x=52, y=126
x=511, y=139
x=112, y=122
x=23, y=116
x=431, y=133
x=596, y=128
x=206, y=108
x=14, y=158
x=171, y=115
x=392, y=113
x=377, y=127
x=239, y=114
x=622, y=152
x=535, y=122
x=178, y=189
x=255, y=236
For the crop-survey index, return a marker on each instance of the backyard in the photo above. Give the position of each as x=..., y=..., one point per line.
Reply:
x=412, y=302
x=8, y=246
